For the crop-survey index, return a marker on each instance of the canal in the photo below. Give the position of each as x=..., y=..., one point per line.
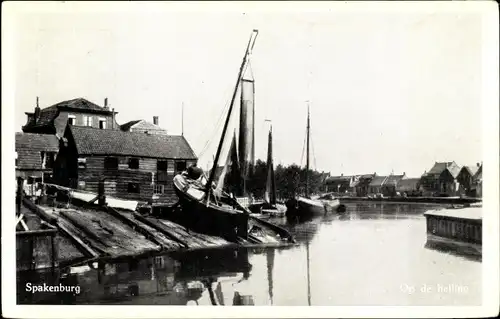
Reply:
x=374, y=255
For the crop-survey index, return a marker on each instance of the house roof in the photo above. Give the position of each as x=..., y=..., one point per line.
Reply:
x=393, y=180
x=378, y=180
x=338, y=179
x=472, y=170
x=142, y=125
x=48, y=114
x=454, y=170
x=439, y=167
x=128, y=125
x=29, y=147
x=92, y=141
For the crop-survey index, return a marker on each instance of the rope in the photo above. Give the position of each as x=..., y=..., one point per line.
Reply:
x=312, y=147
x=303, y=148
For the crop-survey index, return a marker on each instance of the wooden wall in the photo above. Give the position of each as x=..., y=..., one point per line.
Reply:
x=117, y=180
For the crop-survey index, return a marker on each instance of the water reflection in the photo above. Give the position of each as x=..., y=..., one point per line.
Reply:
x=360, y=258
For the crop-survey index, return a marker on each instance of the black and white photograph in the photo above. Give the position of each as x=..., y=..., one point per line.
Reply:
x=338, y=154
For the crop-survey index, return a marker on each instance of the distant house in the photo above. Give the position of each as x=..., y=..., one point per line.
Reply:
x=391, y=183
x=35, y=158
x=477, y=182
x=76, y=112
x=441, y=179
x=375, y=186
x=135, y=166
x=466, y=179
x=363, y=185
x=142, y=126
x=409, y=186
x=340, y=184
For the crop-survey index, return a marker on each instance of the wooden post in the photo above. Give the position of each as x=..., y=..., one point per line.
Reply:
x=102, y=197
x=19, y=197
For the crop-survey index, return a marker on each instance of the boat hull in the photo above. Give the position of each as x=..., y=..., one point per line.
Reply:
x=226, y=222
x=301, y=208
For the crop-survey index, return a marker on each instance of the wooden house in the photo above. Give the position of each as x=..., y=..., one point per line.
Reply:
x=363, y=185
x=391, y=183
x=441, y=179
x=35, y=158
x=409, y=187
x=76, y=112
x=340, y=184
x=375, y=186
x=136, y=166
x=466, y=179
x=477, y=182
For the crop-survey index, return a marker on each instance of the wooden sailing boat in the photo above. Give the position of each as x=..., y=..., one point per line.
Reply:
x=270, y=205
x=206, y=207
x=301, y=207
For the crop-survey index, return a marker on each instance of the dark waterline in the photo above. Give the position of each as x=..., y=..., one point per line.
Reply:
x=373, y=255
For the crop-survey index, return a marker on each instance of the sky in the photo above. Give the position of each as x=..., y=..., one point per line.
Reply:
x=389, y=90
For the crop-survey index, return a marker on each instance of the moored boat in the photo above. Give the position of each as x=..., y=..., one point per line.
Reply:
x=301, y=207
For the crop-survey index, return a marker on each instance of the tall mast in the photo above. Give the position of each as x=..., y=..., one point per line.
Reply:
x=307, y=151
x=250, y=45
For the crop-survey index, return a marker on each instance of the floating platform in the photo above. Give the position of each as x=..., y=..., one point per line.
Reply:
x=456, y=230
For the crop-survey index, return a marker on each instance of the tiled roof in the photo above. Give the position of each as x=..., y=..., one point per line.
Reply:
x=29, y=146
x=114, y=142
x=79, y=104
x=454, y=170
x=378, y=181
x=48, y=114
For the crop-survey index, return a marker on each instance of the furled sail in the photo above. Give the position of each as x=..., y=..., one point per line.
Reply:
x=270, y=193
x=247, y=124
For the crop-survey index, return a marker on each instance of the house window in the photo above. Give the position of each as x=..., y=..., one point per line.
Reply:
x=102, y=123
x=133, y=188
x=87, y=120
x=82, y=163
x=133, y=163
x=158, y=189
x=162, y=165
x=81, y=184
x=180, y=166
x=47, y=159
x=71, y=119
x=111, y=163
x=17, y=161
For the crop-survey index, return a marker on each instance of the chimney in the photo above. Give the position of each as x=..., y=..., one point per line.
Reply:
x=155, y=120
x=478, y=164
x=113, y=119
x=37, y=111
x=106, y=103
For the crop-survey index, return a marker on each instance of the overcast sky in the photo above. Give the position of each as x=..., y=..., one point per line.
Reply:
x=388, y=91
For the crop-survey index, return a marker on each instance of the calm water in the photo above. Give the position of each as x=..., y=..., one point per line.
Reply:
x=374, y=255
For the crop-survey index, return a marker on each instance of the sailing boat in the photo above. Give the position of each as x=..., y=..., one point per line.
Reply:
x=305, y=207
x=206, y=206
x=270, y=205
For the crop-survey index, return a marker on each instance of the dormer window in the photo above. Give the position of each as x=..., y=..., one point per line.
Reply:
x=71, y=119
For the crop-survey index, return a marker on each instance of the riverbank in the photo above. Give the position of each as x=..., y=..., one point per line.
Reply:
x=416, y=200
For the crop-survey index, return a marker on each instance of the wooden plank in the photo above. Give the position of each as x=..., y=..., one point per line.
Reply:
x=86, y=249
x=160, y=228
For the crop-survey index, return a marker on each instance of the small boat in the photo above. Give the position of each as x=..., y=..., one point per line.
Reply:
x=331, y=203
x=301, y=207
x=270, y=206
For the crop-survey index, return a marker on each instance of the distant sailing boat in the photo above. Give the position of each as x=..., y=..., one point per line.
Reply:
x=270, y=205
x=305, y=207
